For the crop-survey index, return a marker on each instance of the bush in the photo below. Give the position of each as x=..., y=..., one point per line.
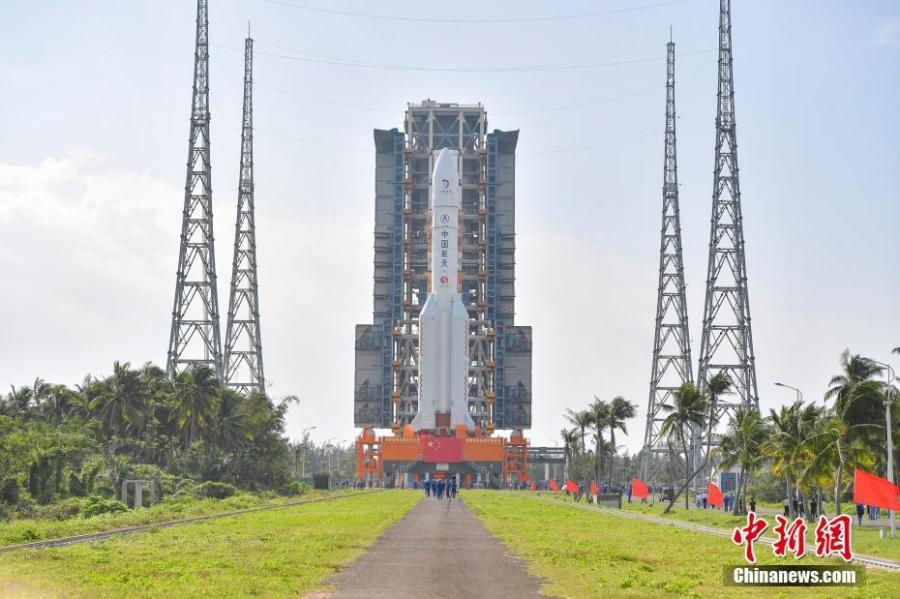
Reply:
x=212, y=490
x=293, y=487
x=94, y=506
x=60, y=510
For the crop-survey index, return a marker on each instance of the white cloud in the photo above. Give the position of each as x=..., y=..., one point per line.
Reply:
x=888, y=33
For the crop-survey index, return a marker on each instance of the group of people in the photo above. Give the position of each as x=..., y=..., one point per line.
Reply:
x=439, y=488
x=861, y=509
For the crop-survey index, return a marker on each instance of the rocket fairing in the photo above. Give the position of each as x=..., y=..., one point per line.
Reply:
x=444, y=320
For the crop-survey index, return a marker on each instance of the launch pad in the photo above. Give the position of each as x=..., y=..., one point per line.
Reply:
x=443, y=365
x=475, y=460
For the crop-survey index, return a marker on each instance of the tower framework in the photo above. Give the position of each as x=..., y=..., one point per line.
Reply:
x=499, y=381
x=726, y=345
x=195, y=338
x=671, y=365
x=243, y=342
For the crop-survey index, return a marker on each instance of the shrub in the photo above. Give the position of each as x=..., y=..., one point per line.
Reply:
x=59, y=510
x=213, y=490
x=94, y=505
x=293, y=487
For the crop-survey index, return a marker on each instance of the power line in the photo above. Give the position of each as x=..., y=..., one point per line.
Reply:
x=606, y=144
x=496, y=21
x=523, y=68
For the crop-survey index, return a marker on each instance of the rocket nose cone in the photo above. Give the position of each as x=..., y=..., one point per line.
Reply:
x=445, y=166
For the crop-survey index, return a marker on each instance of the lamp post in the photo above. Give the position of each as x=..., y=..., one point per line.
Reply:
x=303, y=463
x=795, y=389
x=888, y=400
x=327, y=449
x=790, y=496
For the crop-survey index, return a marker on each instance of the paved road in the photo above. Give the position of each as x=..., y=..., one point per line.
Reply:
x=434, y=552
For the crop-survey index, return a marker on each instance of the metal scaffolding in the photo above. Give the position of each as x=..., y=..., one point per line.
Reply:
x=727, y=343
x=194, y=338
x=243, y=343
x=671, y=365
x=386, y=387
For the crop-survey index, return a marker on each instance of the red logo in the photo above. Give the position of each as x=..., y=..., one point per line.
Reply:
x=443, y=279
x=832, y=537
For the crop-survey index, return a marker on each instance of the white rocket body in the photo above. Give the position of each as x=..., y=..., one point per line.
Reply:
x=444, y=320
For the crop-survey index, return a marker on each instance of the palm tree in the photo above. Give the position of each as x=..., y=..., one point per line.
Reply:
x=230, y=424
x=598, y=411
x=59, y=404
x=743, y=445
x=121, y=402
x=569, y=438
x=785, y=443
x=582, y=420
x=688, y=410
x=195, y=392
x=620, y=410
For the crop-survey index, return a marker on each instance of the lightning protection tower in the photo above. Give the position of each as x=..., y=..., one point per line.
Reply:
x=194, y=338
x=243, y=345
x=727, y=343
x=671, y=366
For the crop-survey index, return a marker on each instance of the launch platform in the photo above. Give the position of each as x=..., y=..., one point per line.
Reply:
x=475, y=460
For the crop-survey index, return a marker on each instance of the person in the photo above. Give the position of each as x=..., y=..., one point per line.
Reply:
x=753, y=504
x=787, y=507
x=812, y=509
x=705, y=497
x=796, y=505
x=860, y=510
x=629, y=493
x=800, y=511
x=427, y=485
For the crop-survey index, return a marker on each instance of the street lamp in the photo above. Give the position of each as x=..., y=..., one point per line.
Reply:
x=303, y=463
x=888, y=400
x=795, y=389
x=327, y=448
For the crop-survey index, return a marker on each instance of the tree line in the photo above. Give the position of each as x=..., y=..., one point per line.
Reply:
x=58, y=441
x=812, y=448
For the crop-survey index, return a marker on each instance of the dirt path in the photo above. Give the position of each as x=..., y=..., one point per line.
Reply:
x=434, y=552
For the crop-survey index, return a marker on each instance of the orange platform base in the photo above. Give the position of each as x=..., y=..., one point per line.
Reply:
x=482, y=460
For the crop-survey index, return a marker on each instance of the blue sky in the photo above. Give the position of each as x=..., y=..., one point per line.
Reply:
x=93, y=144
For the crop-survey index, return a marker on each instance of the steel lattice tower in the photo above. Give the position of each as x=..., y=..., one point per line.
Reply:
x=671, y=365
x=243, y=345
x=195, y=336
x=727, y=343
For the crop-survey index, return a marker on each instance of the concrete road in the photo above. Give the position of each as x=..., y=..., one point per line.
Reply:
x=434, y=552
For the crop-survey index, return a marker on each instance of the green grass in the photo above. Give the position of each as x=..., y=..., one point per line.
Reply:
x=581, y=553
x=25, y=530
x=277, y=553
x=866, y=539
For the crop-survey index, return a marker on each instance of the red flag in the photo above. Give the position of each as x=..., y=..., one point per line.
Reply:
x=715, y=495
x=571, y=486
x=533, y=486
x=553, y=485
x=869, y=489
x=595, y=490
x=442, y=449
x=639, y=489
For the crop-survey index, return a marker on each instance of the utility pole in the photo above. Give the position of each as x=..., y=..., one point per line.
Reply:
x=194, y=339
x=726, y=344
x=671, y=366
x=243, y=343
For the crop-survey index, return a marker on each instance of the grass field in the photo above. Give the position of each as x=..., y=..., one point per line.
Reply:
x=582, y=553
x=277, y=553
x=866, y=539
x=24, y=531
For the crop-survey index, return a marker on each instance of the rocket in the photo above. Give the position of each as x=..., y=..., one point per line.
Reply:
x=444, y=320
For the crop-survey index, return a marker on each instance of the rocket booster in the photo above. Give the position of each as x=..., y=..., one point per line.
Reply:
x=444, y=320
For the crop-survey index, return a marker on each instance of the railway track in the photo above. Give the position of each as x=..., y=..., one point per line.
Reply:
x=117, y=532
x=869, y=561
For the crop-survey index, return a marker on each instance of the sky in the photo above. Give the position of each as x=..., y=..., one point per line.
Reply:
x=93, y=141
